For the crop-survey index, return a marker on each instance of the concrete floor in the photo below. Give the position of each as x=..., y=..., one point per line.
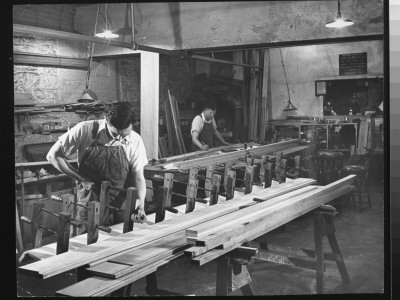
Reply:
x=360, y=235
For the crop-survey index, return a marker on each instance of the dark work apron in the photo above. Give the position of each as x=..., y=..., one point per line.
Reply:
x=102, y=163
x=206, y=136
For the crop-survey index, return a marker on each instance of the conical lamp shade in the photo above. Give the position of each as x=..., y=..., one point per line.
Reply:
x=290, y=106
x=85, y=97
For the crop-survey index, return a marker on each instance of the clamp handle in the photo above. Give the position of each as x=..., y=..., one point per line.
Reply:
x=103, y=228
x=171, y=209
x=56, y=198
x=26, y=220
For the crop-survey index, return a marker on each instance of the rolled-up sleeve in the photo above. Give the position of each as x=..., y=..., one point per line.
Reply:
x=139, y=158
x=72, y=139
x=197, y=125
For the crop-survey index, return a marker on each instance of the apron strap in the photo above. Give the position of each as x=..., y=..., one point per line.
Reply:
x=95, y=131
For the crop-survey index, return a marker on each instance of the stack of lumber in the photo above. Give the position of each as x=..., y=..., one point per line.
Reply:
x=110, y=248
x=173, y=108
x=215, y=230
x=216, y=237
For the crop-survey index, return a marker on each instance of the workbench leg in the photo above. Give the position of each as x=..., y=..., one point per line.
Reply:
x=151, y=284
x=224, y=271
x=318, y=237
x=82, y=273
x=247, y=290
x=340, y=263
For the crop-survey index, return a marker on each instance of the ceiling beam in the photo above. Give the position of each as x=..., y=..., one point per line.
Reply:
x=17, y=28
x=362, y=38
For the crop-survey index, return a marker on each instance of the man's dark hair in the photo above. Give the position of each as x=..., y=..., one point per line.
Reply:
x=210, y=105
x=121, y=114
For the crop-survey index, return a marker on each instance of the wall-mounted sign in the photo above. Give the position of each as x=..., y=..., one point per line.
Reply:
x=353, y=63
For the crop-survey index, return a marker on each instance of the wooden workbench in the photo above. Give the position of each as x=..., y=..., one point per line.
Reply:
x=180, y=163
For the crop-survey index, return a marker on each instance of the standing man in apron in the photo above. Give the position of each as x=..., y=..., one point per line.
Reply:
x=107, y=149
x=204, y=129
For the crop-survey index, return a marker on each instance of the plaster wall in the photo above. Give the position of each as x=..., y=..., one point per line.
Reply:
x=304, y=65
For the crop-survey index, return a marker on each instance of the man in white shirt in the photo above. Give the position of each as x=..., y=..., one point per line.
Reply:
x=107, y=149
x=204, y=129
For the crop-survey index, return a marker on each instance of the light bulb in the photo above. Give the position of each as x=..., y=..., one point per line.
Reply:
x=339, y=23
x=107, y=34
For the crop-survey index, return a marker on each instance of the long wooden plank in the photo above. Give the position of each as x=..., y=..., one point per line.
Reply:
x=128, y=241
x=252, y=222
x=214, y=238
x=176, y=122
x=229, y=221
x=299, y=208
x=170, y=132
x=202, y=153
x=224, y=157
x=216, y=224
x=175, y=103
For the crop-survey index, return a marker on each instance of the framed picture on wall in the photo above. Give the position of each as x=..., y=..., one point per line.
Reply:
x=320, y=88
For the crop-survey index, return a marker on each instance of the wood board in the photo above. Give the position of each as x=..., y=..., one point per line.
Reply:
x=224, y=157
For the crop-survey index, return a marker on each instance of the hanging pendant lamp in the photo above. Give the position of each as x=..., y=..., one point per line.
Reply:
x=290, y=105
x=85, y=98
x=108, y=32
x=339, y=22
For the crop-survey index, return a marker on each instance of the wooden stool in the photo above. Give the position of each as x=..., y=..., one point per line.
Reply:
x=361, y=172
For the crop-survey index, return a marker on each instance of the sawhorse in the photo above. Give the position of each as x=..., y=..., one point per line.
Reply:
x=306, y=258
